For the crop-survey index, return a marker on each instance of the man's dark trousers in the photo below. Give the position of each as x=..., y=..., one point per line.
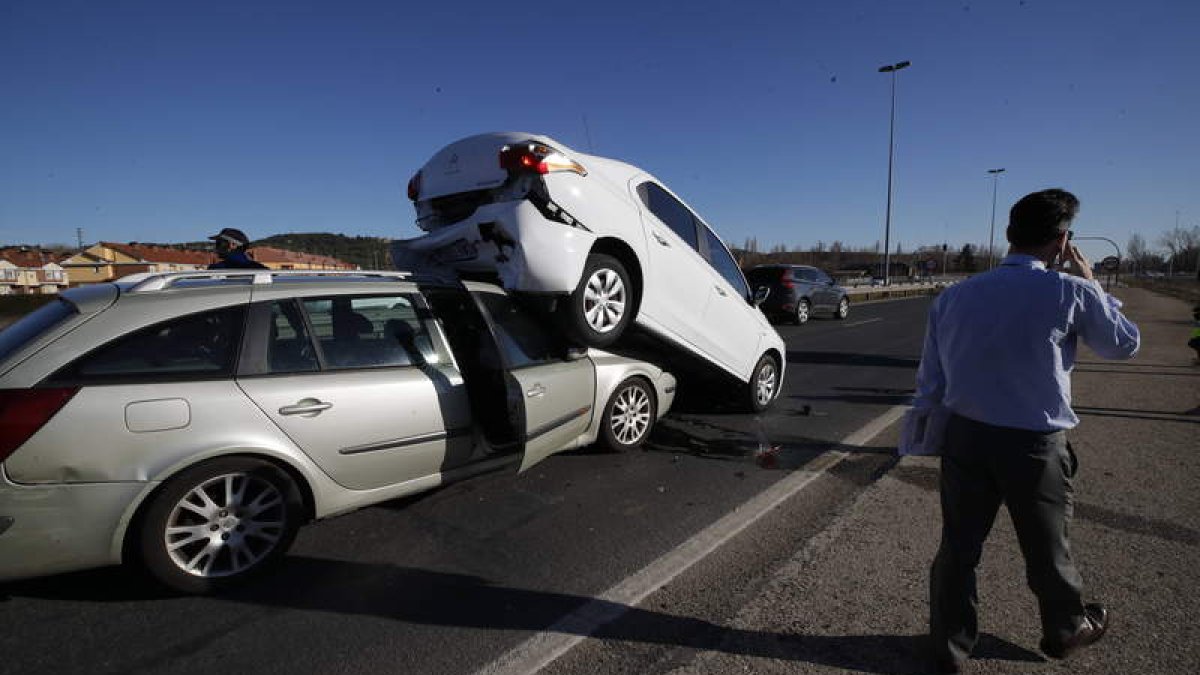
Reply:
x=982, y=466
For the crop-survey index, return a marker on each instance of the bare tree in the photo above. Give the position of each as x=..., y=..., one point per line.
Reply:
x=1183, y=245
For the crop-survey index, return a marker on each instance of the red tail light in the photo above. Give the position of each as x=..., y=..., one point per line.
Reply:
x=414, y=186
x=787, y=281
x=537, y=158
x=24, y=411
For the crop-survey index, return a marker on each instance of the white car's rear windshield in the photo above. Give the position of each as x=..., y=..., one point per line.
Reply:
x=32, y=325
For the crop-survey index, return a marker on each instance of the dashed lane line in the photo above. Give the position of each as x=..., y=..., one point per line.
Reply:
x=552, y=642
x=861, y=323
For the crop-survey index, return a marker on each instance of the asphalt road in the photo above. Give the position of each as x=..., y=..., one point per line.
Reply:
x=449, y=581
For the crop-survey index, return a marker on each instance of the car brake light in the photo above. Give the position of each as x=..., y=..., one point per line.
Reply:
x=537, y=158
x=24, y=411
x=787, y=281
x=414, y=186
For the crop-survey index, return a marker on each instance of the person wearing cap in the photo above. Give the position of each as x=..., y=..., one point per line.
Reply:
x=999, y=350
x=231, y=246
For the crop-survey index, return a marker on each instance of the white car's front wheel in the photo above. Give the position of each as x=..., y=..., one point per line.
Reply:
x=602, y=306
x=763, y=386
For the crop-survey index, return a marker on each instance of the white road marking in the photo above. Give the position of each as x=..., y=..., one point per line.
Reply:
x=860, y=323
x=540, y=650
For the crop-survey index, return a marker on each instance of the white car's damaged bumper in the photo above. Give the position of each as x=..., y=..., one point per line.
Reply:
x=530, y=253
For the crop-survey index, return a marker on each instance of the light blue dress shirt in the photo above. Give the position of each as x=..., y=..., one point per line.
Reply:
x=1000, y=346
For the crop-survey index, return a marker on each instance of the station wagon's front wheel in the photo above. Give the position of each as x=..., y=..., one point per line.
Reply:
x=601, y=307
x=218, y=523
x=629, y=415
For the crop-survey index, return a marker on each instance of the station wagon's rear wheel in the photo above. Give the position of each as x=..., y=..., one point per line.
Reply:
x=601, y=307
x=629, y=415
x=217, y=523
x=763, y=386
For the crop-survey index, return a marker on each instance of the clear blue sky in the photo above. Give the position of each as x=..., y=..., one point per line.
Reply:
x=164, y=121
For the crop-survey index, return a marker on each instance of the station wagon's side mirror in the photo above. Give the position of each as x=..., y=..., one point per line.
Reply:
x=760, y=295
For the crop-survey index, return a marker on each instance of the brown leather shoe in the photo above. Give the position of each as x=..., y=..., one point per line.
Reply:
x=1095, y=623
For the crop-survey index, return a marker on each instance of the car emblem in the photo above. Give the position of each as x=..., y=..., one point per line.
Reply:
x=452, y=167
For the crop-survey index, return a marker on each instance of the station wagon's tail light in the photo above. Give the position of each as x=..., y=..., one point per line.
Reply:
x=24, y=411
x=414, y=186
x=787, y=280
x=537, y=158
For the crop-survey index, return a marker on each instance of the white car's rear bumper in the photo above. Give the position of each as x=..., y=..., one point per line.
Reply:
x=530, y=253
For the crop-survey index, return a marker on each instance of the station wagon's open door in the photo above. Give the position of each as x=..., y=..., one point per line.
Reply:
x=552, y=396
x=526, y=396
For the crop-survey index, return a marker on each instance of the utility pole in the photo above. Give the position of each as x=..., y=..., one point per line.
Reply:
x=79, y=237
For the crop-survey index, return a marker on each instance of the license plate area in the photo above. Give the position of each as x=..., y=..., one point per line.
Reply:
x=457, y=251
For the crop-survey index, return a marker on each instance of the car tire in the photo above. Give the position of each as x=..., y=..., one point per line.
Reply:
x=218, y=523
x=629, y=416
x=763, y=386
x=843, y=309
x=802, y=313
x=602, y=306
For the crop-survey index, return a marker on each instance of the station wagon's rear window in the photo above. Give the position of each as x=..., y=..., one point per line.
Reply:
x=32, y=325
x=202, y=345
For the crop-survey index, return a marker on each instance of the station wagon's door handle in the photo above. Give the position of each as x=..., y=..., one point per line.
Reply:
x=305, y=408
x=720, y=290
x=535, y=391
x=658, y=237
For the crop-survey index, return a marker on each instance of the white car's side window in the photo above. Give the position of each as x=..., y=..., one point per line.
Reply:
x=725, y=265
x=670, y=211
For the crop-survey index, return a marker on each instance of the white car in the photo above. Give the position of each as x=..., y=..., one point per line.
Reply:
x=605, y=242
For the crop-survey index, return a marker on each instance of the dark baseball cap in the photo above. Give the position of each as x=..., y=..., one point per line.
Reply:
x=233, y=236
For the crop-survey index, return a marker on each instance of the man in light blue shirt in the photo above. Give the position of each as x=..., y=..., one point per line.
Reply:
x=999, y=349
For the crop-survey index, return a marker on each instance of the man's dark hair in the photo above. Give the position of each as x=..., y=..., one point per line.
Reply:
x=1039, y=217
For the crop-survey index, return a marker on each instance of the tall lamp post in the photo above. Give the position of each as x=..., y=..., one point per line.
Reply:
x=992, y=232
x=887, y=226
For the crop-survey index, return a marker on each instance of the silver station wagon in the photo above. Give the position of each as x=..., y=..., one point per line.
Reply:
x=189, y=423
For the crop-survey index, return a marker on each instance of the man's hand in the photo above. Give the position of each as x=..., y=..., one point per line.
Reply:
x=1080, y=266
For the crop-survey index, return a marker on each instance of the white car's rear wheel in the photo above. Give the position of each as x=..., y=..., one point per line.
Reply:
x=218, y=523
x=602, y=306
x=629, y=415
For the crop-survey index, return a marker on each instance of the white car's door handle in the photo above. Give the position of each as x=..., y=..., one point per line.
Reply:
x=720, y=290
x=659, y=238
x=304, y=408
x=535, y=391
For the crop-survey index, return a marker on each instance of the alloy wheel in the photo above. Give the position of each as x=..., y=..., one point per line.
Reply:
x=630, y=419
x=765, y=383
x=225, y=525
x=604, y=300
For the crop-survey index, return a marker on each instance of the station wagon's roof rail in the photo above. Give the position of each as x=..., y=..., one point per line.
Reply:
x=157, y=281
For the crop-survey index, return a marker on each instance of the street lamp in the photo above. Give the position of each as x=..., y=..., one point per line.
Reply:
x=887, y=227
x=992, y=233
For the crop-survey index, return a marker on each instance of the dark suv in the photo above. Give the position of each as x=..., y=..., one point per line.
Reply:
x=797, y=291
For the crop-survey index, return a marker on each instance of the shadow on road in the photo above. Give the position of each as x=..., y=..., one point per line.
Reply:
x=440, y=599
x=852, y=359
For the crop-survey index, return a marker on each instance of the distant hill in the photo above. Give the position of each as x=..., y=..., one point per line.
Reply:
x=367, y=252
